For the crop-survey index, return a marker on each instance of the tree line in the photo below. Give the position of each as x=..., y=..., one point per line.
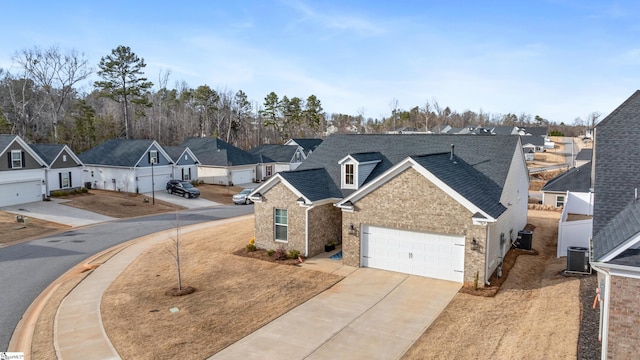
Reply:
x=43, y=102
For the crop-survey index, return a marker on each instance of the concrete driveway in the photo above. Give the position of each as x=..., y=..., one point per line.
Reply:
x=55, y=212
x=371, y=314
x=182, y=201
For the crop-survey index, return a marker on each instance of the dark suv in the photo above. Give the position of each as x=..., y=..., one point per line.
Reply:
x=183, y=188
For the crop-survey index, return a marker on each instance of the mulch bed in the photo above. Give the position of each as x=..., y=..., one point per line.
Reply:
x=262, y=254
x=589, y=347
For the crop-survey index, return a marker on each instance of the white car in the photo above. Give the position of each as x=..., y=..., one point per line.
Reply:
x=242, y=197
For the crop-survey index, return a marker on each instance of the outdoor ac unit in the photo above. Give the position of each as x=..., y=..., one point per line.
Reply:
x=524, y=240
x=577, y=259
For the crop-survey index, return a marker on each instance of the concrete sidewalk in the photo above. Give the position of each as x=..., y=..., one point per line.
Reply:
x=371, y=314
x=78, y=329
x=56, y=212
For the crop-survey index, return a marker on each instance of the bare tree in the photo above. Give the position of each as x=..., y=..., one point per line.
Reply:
x=55, y=73
x=174, y=250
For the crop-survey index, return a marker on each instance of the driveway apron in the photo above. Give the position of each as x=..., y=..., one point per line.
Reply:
x=371, y=314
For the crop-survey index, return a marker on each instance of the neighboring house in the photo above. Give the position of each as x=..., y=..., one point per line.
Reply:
x=529, y=154
x=615, y=250
x=537, y=131
x=571, y=191
x=126, y=165
x=222, y=163
x=584, y=156
x=406, y=130
x=536, y=143
x=441, y=129
x=64, y=168
x=308, y=144
x=276, y=158
x=408, y=203
x=505, y=130
x=185, y=163
x=22, y=172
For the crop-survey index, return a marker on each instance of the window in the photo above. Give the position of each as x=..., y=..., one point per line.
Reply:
x=16, y=159
x=280, y=224
x=348, y=174
x=153, y=157
x=297, y=157
x=64, y=158
x=65, y=180
x=560, y=201
x=269, y=170
x=186, y=175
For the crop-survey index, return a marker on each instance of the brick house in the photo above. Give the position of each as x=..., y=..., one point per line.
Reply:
x=443, y=206
x=615, y=244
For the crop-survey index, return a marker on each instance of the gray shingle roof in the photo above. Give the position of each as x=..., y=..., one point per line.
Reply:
x=315, y=184
x=48, y=152
x=308, y=144
x=216, y=152
x=5, y=140
x=584, y=154
x=490, y=155
x=279, y=153
x=630, y=257
x=616, y=176
x=533, y=140
x=536, y=130
x=575, y=180
x=367, y=156
x=465, y=180
x=624, y=225
x=505, y=130
x=174, y=152
x=116, y=152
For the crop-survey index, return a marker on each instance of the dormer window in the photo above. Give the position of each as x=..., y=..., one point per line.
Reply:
x=16, y=159
x=153, y=157
x=348, y=174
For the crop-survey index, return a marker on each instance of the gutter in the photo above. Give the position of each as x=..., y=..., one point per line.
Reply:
x=486, y=257
x=604, y=309
x=306, y=229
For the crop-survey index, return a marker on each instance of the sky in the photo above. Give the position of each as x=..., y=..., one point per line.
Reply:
x=559, y=59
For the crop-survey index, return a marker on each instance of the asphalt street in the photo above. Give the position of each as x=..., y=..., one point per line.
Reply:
x=26, y=269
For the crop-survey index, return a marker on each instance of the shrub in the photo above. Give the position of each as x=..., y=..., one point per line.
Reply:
x=293, y=254
x=270, y=252
x=57, y=193
x=280, y=254
x=84, y=190
x=251, y=247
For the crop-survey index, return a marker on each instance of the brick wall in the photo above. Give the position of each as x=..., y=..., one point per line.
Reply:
x=624, y=318
x=411, y=202
x=324, y=226
x=282, y=198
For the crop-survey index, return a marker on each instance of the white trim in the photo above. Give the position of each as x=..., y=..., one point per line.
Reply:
x=19, y=152
x=273, y=181
x=275, y=224
x=354, y=175
x=634, y=240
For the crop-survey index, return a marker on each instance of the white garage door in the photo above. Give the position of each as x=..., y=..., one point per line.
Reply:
x=159, y=182
x=433, y=255
x=241, y=176
x=20, y=193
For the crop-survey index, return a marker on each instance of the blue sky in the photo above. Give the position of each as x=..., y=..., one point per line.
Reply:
x=557, y=59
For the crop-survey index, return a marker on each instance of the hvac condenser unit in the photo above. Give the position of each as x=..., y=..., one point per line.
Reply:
x=578, y=259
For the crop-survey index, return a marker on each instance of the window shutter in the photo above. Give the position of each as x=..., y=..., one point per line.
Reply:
x=60, y=180
x=149, y=157
x=190, y=178
x=70, y=183
x=9, y=158
x=24, y=163
x=182, y=176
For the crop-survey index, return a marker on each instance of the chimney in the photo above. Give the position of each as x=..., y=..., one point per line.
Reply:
x=452, y=153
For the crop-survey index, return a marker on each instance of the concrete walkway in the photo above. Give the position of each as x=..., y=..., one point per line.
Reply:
x=371, y=314
x=55, y=212
x=78, y=329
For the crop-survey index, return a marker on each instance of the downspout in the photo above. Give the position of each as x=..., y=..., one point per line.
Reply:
x=486, y=257
x=604, y=310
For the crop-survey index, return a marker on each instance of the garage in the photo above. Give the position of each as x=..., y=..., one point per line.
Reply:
x=242, y=176
x=20, y=192
x=438, y=256
x=159, y=180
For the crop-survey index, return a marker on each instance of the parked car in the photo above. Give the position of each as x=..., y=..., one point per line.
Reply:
x=183, y=188
x=242, y=197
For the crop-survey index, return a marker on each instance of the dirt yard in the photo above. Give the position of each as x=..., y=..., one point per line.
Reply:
x=235, y=296
x=535, y=315
x=13, y=231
